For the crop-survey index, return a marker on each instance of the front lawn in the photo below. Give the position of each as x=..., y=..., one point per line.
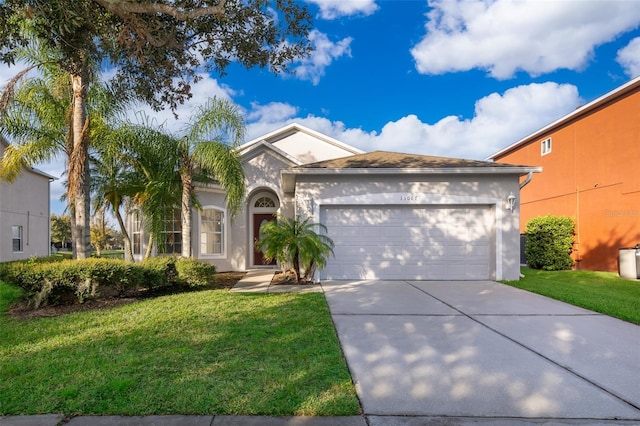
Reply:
x=603, y=292
x=205, y=352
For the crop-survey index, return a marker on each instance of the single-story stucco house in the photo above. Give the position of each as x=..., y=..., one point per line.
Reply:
x=390, y=215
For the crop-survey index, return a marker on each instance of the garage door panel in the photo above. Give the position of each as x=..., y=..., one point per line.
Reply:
x=408, y=242
x=349, y=231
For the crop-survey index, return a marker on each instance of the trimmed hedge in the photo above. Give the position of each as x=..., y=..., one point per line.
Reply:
x=193, y=273
x=549, y=243
x=55, y=281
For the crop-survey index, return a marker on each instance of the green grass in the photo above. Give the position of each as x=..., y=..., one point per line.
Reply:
x=209, y=352
x=67, y=254
x=603, y=292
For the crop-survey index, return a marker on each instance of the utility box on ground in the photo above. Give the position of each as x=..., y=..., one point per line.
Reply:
x=629, y=262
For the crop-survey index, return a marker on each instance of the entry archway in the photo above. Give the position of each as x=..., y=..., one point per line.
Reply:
x=263, y=207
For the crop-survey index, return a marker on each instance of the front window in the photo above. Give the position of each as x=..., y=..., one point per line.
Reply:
x=172, y=234
x=212, y=231
x=17, y=238
x=137, y=233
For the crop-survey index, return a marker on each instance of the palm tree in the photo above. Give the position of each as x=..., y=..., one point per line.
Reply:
x=296, y=242
x=207, y=151
x=112, y=180
x=37, y=113
x=154, y=183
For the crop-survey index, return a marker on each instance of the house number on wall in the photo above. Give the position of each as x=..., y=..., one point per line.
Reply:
x=408, y=198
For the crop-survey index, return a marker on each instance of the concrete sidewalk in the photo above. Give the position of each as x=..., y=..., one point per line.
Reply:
x=177, y=420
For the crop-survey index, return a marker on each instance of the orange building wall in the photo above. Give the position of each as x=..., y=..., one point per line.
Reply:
x=592, y=175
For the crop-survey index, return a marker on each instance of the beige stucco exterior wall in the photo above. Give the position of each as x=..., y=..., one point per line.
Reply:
x=25, y=203
x=262, y=177
x=410, y=189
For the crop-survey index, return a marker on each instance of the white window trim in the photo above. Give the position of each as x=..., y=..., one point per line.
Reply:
x=177, y=213
x=225, y=233
x=545, y=146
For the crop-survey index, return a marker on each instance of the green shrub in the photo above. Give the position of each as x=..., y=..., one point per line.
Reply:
x=61, y=281
x=193, y=273
x=160, y=272
x=67, y=280
x=549, y=242
x=10, y=271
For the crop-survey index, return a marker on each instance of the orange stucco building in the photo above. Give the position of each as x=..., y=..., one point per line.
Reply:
x=590, y=162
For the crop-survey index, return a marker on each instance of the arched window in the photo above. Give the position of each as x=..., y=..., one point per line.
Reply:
x=212, y=231
x=265, y=202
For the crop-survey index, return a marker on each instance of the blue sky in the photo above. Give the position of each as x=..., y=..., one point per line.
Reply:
x=457, y=78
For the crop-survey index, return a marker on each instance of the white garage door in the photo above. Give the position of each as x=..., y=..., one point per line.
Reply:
x=409, y=242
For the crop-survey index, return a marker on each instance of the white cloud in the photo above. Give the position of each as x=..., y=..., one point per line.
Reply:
x=272, y=112
x=332, y=9
x=629, y=57
x=504, y=36
x=499, y=120
x=323, y=54
x=8, y=72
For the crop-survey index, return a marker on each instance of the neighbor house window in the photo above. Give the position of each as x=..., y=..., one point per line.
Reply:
x=211, y=231
x=137, y=233
x=545, y=146
x=17, y=238
x=172, y=234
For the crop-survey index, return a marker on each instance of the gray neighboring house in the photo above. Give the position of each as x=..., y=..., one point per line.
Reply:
x=24, y=214
x=391, y=215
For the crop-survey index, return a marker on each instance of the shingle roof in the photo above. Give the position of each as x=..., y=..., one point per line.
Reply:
x=397, y=160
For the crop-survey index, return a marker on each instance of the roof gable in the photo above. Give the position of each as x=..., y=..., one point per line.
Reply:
x=262, y=146
x=301, y=144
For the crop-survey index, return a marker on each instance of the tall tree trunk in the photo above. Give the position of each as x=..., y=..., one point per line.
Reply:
x=185, y=213
x=147, y=254
x=128, y=250
x=296, y=266
x=79, y=178
x=74, y=230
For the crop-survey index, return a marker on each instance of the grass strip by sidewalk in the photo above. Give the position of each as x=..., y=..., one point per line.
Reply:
x=603, y=292
x=209, y=352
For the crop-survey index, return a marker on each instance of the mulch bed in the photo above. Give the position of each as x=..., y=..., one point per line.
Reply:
x=289, y=278
x=224, y=280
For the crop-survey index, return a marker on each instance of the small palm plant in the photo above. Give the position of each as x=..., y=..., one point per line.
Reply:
x=296, y=242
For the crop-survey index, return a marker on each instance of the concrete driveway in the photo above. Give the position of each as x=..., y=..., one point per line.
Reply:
x=483, y=350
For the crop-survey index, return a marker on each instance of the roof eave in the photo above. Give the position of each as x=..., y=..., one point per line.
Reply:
x=522, y=170
x=289, y=175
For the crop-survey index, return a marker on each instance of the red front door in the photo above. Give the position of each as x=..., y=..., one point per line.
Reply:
x=259, y=220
